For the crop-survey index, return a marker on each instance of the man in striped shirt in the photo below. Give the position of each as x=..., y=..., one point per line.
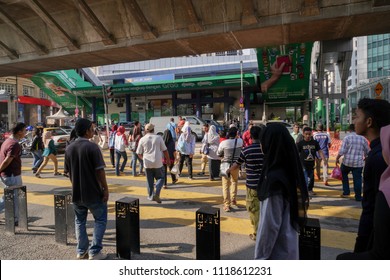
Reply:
x=252, y=156
x=354, y=149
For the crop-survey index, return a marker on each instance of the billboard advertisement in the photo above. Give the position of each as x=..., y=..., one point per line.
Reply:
x=292, y=80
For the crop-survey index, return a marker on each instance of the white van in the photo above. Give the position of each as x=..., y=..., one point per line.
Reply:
x=160, y=124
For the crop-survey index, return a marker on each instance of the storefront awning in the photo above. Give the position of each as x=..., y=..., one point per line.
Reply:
x=227, y=81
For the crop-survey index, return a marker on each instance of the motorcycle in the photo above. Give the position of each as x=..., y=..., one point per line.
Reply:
x=25, y=144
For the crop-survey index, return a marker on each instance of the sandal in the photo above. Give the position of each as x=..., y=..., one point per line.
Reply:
x=226, y=208
x=57, y=174
x=38, y=175
x=252, y=236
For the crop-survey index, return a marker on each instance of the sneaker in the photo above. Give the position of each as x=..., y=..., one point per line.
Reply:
x=252, y=236
x=190, y=178
x=175, y=181
x=344, y=195
x=358, y=198
x=98, y=256
x=234, y=205
x=157, y=198
x=81, y=256
x=312, y=193
x=165, y=187
x=201, y=173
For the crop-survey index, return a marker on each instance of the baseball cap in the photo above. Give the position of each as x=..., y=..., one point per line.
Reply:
x=149, y=127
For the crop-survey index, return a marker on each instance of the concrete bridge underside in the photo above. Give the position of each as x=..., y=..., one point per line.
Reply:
x=44, y=35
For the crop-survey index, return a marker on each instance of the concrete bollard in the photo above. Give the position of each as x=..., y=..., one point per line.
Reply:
x=63, y=217
x=310, y=240
x=21, y=193
x=127, y=227
x=208, y=236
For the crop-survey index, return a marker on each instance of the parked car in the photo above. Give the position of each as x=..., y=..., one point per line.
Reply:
x=160, y=124
x=60, y=137
x=287, y=125
x=215, y=123
x=67, y=128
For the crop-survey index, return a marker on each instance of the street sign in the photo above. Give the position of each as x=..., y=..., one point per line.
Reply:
x=378, y=89
x=242, y=109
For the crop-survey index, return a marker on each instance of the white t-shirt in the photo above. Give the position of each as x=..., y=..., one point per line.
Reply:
x=120, y=143
x=151, y=147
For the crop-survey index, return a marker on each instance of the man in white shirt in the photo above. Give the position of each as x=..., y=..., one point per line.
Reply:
x=150, y=150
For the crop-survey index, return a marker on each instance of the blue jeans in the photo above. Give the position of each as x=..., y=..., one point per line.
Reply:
x=38, y=158
x=9, y=182
x=357, y=180
x=134, y=164
x=151, y=174
x=118, y=158
x=309, y=177
x=99, y=212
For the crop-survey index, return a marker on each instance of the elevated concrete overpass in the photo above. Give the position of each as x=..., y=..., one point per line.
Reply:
x=44, y=35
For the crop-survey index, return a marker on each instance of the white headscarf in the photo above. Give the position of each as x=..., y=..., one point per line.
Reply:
x=184, y=128
x=212, y=134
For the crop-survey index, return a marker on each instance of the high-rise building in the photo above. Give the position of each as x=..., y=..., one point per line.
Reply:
x=370, y=69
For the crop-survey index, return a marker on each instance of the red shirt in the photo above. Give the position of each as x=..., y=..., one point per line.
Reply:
x=11, y=148
x=246, y=137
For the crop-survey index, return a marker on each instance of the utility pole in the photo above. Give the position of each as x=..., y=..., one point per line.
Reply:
x=327, y=102
x=242, y=108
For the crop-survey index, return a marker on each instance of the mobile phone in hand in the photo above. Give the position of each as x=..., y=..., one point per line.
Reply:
x=287, y=63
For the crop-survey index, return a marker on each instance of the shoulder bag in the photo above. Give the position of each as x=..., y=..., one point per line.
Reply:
x=226, y=165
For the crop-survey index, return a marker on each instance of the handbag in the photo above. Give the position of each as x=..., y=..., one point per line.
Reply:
x=133, y=146
x=175, y=169
x=336, y=173
x=225, y=166
x=223, y=169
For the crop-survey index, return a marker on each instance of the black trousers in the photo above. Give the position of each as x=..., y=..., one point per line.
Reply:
x=189, y=163
x=214, y=168
x=173, y=176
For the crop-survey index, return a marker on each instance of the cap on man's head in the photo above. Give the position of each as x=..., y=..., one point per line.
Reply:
x=81, y=126
x=149, y=127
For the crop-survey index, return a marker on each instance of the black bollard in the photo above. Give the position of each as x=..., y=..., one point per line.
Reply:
x=310, y=240
x=63, y=217
x=208, y=245
x=127, y=227
x=9, y=194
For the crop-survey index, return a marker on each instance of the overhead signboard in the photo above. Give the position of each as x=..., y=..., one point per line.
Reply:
x=58, y=85
x=293, y=84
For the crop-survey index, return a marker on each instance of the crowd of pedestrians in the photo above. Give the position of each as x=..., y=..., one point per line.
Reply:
x=279, y=166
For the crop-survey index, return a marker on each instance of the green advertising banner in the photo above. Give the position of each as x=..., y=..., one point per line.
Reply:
x=293, y=84
x=249, y=80
x=58, y=85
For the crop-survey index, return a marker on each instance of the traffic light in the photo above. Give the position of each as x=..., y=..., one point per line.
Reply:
x=317, y=87
x=109, y=92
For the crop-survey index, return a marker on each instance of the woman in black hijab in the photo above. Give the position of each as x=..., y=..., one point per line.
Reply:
x=170, y=143
x=283, y=196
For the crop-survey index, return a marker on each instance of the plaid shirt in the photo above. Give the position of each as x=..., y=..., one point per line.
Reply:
x=354, y=149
